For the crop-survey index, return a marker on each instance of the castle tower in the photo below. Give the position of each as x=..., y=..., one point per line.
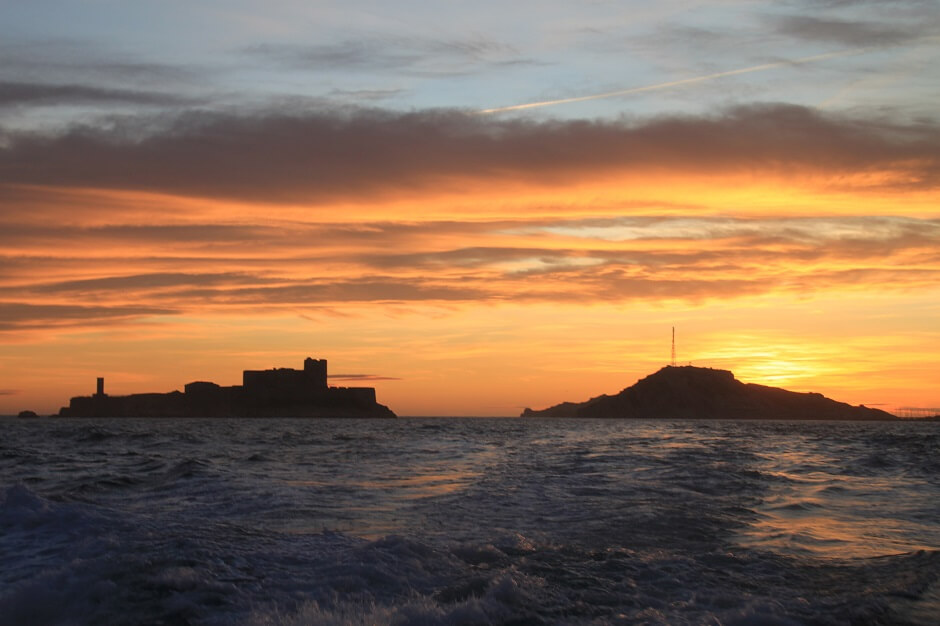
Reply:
x=100, y=391
x=315, y=371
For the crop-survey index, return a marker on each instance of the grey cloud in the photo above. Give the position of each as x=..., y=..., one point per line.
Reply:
x=146, y=282
x=9, y=392
x=14, y=233
x=461, y=257
x=863, y=238
x=902, y=278
x=618, y=286
x=359, y=153
x=24, y=93
x=848, y=4
x=182, y=291
x=349, y=55
x=187, y=239
x=364, y=290
x=64, y=60
x=673, y=36
x=610, y=285
x=366, y=95
x=846, y=32
x=382, y=54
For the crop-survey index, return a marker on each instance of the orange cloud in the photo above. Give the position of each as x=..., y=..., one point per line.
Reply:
x=200, y=267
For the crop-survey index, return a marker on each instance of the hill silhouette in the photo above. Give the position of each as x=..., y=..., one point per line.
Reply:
x=689, y=392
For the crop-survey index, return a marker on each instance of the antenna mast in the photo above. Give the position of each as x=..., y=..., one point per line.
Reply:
x=673, y=346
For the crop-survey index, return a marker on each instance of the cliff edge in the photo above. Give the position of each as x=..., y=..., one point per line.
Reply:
x=689, y=392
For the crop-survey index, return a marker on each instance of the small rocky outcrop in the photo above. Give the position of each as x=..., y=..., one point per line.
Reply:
x=689, y=392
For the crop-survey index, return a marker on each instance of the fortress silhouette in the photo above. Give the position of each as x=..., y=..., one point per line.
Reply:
x=280, y=392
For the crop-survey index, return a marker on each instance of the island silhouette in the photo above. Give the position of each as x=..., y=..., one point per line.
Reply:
x=688, y=392
x=280, y=392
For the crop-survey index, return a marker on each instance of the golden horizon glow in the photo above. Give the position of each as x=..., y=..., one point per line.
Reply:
x=496, y=285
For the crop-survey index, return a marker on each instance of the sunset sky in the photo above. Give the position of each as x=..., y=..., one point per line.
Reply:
x=475, y=207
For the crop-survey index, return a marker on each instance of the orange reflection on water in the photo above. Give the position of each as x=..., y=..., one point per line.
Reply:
x=422, y=486
x=378, y=513
x=821, y=515
x=412, y=487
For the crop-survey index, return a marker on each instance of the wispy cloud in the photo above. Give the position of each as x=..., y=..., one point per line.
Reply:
x=24, y=93
x=17, y=316
x=77, y=62
x=361, y=377
x=896, y=5
x=141, y=283
x=847, y=32
x=365, y=95
x=521, y=260
x=418, y=56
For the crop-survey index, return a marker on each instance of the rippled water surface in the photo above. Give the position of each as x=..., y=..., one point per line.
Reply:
x=468, y=521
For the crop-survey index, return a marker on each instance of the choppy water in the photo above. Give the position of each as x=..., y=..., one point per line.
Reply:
x=468, y=521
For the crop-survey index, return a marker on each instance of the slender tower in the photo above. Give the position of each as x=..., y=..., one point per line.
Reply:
x=673, y=363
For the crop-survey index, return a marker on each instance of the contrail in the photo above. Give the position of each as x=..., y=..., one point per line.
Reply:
x=684, y=81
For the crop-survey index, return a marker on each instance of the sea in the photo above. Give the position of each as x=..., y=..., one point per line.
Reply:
x=468, y=521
